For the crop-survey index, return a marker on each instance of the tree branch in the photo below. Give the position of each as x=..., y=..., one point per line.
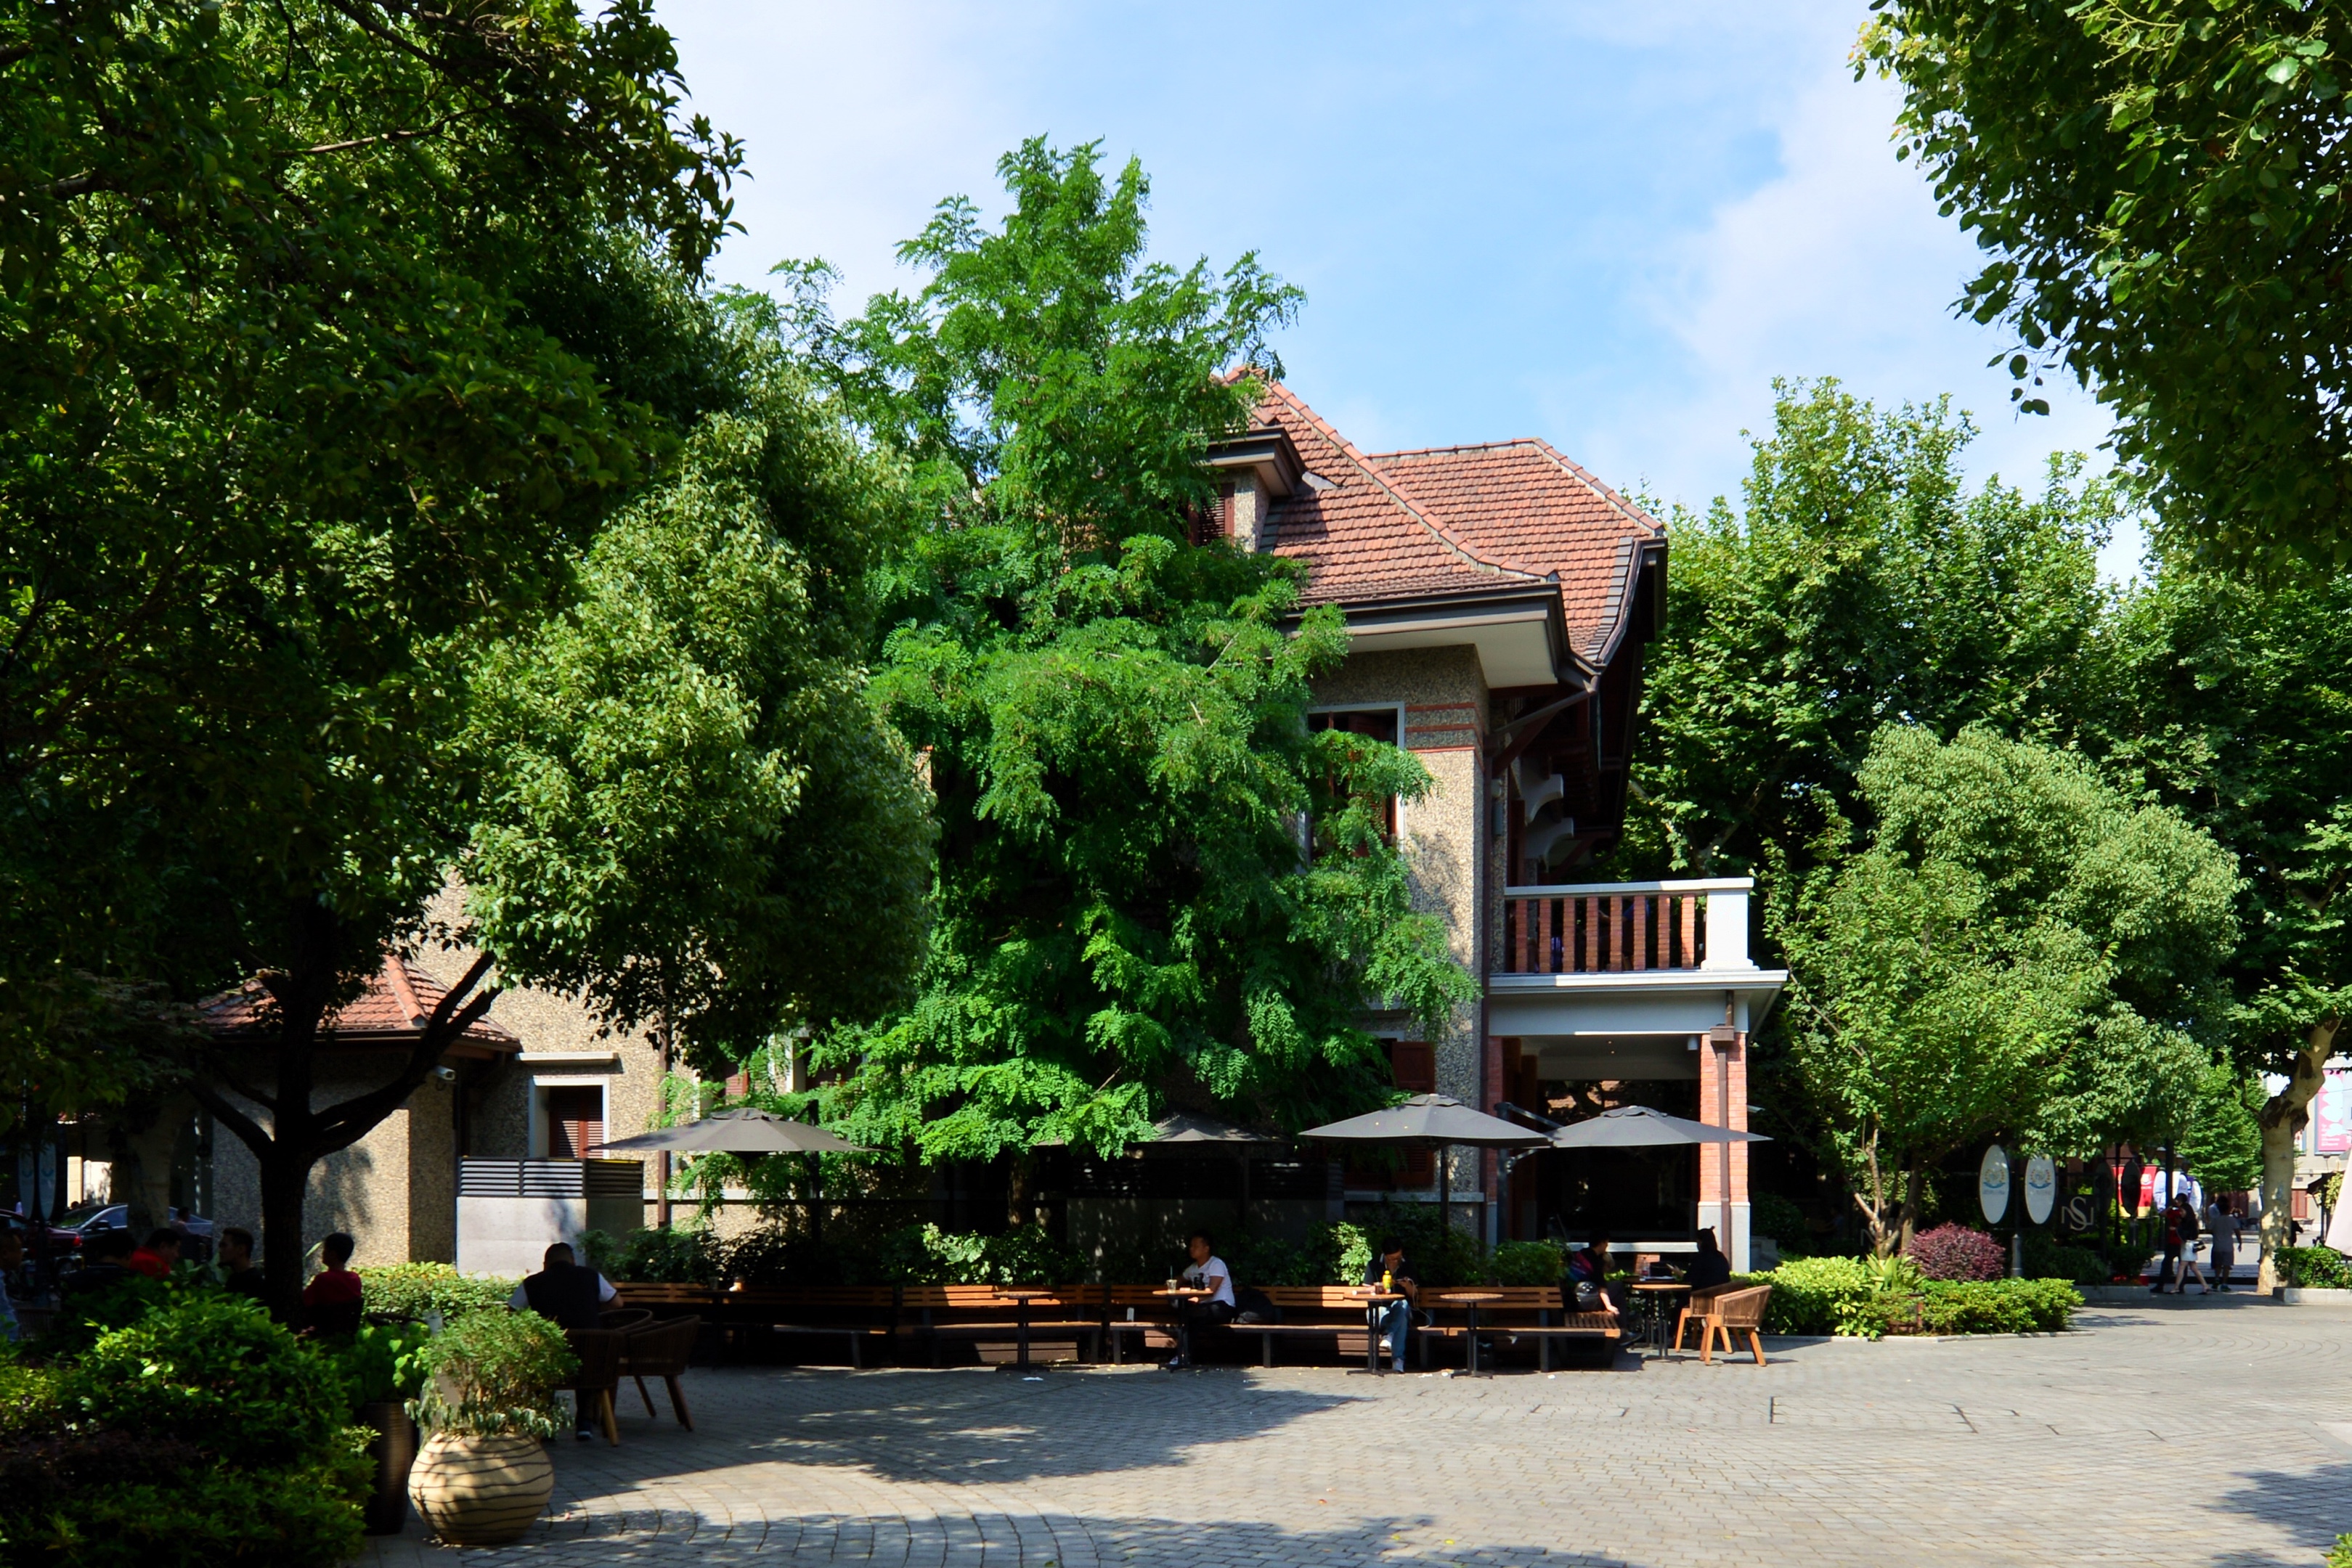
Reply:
x=248, y=1132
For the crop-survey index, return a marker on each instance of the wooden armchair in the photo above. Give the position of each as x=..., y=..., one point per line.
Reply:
x=1695, y=1305
x=599, y=1351
x=1730, y=1313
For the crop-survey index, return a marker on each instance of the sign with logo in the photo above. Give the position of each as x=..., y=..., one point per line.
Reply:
x=2331, y=1113
x=2040, y=1188
x=2081, y=1214
x=1993, y=1183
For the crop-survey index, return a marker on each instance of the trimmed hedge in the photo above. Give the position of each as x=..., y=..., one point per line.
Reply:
x=411, y=1289
x=1834, y=1296
x=2315, y=1267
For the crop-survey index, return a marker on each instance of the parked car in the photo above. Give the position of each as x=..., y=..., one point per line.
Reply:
x=92, y=1217
x=62, y=1237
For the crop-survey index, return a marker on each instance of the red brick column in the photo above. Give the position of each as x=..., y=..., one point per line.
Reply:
x=1723, y=1103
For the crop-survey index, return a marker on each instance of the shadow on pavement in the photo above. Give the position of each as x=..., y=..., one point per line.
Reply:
x=2314, y=1506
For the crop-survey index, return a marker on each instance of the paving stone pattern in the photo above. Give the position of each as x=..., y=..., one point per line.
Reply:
x=2198, y=1432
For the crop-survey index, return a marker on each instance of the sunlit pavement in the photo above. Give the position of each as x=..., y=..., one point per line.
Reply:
x=2151, y=1436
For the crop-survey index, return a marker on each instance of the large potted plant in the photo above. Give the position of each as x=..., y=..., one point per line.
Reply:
x=487, y=1402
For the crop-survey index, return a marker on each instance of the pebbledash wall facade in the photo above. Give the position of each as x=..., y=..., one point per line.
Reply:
x=1498, y=599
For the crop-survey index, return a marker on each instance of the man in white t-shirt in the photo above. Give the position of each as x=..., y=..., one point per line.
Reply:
x=1208, y=1273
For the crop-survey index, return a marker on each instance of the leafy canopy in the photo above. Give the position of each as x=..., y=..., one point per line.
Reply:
x=1113, y=720
x=2160, y=188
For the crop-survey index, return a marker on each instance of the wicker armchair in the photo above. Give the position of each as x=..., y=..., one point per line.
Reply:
x=599, y=1376
x=661, y=1351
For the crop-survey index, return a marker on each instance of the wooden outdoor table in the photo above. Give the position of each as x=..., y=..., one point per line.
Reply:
x=1659, y=1305
x=1470, y=1299
x=1373, y=1301
x=1022, y=1298
x=1176, y=1299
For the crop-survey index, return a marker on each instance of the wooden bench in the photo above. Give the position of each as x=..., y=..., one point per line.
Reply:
x=853, y=1315
x=665, y=1300
x=1141, y=1314
x=1311, y=1314
x=981, y=1316
x=1526, y=1313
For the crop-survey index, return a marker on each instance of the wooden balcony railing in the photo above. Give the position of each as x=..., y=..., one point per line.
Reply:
x=1635, y=927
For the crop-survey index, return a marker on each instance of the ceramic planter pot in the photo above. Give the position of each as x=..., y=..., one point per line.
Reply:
x=480, y=1491
x=394, y=1451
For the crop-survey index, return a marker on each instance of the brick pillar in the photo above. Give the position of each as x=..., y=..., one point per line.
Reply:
x=1723, y=1103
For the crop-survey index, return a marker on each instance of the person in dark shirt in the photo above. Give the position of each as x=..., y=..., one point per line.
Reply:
x=1389, y=1267
x=331, y=1302
x=1710, y=1269
x=1588, y=1277
x=570, y=1296
x=239, y=1276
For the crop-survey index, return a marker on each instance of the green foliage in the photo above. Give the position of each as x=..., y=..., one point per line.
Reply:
x=1868, y=1299
x=1814, y=1295
x=2158, y=190
x=493, y=1374
x=382, y=1362
x=2315, y=1267
x=1859, y=579
x=656, y=1256
x=2222, y=1145
x=697, y=818
x=1779, y=1218
x=1024, y=1255
x=1998, y=1306
x=1894, y=1275
x=411, y=1289
x=2016, y=948
x=1527, y=1263
x=1114, y=720
x=2340, y=1554
x=84, y=1317
x=2049, y=1259
x=200, y=1432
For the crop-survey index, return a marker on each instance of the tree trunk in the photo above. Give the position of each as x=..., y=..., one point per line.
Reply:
x=1018, y=1204
x=2282, y=1119
x=285, y=1180
x=1912, y=1181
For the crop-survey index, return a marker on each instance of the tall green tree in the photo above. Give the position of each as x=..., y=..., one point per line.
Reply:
x=2159, y=191
x=1131, y=902
x=2013, y=947
x=1861, y=583
x=2233, y=706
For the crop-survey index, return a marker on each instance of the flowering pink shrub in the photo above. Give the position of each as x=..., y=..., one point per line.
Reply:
x=1956, y=1252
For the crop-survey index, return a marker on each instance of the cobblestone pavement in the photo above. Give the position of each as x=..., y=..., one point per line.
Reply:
x=2190, y=1433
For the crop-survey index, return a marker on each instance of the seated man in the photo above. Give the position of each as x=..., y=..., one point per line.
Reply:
x=570, y=1296
x=1388, y=1270
x=159, y=1257
x=239, y=1276
x=1208, y=1272
x=331, y=1302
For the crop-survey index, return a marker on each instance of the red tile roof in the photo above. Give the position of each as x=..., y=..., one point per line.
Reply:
x=1457, y=519
x=394, y=1008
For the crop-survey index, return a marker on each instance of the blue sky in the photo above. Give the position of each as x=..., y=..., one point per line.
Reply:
x=1610, y=225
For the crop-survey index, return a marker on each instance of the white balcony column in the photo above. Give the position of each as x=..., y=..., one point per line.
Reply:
x=1726, y=925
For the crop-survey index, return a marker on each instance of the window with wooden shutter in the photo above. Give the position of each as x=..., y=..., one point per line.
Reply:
x=575, y=1121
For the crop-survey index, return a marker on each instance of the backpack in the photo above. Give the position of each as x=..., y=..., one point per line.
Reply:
x=1252, y=1305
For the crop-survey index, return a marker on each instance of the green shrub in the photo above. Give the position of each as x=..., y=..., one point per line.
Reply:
x=1996, y=1306
x=2049, y=1259
x=661, y=1255
x=84, y=1317
x=214, y=1371
x=2340, y=1554
x=1527, y=1263
x=383, y=1361
x=1817, y=1296
x=494, y=1375
x=1264, y=1261
x=411, y=1289
x=2315, y=1267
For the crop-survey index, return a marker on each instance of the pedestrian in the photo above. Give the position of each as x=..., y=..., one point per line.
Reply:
x=2179, y=1229
x=2221, y=1224
x=2188, y=1240
x=331, y=1302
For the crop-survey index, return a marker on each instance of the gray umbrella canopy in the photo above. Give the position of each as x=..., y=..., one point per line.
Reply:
x=1638, y=1126
x=1182, y=1127
x=1429, y=1121
x=742, y=1131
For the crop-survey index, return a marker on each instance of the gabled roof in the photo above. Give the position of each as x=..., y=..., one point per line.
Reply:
x=1458, y=519
x=392, y=1010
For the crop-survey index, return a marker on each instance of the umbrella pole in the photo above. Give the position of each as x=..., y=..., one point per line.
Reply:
x=1445, y=1191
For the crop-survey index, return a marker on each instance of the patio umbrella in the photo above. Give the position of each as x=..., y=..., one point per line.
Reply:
x=1638, y=1126
x=742, y=1131
x=1429, y=1122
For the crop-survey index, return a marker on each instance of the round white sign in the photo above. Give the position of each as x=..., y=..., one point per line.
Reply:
x=2040, y=1188
x=1992, y=1185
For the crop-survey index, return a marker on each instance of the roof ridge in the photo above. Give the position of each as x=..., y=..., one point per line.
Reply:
x=1631, y=513
x=1446, y=536
x=404, y=989
x=1460, y=446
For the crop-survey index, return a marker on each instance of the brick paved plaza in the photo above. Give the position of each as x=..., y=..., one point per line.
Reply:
x=2174, y=1435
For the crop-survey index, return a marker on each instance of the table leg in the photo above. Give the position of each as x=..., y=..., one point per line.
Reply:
x=1024, y=1336
x=1372, y=1338
x=1474, y=1338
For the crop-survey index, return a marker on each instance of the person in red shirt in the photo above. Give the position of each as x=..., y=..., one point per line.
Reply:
x=331, y=1302
x=157, y=1258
